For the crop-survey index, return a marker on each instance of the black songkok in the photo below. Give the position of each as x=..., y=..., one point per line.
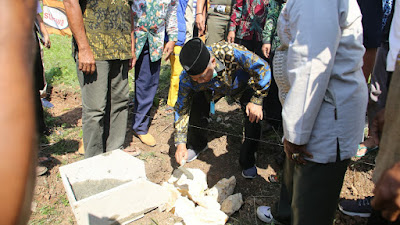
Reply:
x=194, y=57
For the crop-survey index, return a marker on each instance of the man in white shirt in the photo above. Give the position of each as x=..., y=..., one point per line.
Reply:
x=324, y=111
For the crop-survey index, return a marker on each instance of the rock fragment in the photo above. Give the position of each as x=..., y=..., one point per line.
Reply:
x=222, y=189
x=232, y=204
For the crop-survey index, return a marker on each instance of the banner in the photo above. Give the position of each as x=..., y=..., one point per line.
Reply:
x=55, y=18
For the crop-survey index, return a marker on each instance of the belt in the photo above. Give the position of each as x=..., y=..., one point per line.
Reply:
x=224, y=9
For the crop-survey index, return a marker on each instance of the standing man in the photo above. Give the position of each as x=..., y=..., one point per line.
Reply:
x=247, y=22
x=218, y=18
x=104, y=53
x=209, y=74
x=152, y=19
x=323, y=114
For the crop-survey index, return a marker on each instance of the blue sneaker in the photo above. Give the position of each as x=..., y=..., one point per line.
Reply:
x=250, y=173
x=358, y=207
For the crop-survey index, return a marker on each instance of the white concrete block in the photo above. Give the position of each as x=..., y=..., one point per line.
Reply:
x=118, y=204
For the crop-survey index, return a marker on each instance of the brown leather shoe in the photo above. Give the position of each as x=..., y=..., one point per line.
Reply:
x=147, y=139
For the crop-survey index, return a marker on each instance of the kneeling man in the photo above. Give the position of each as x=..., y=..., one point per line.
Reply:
x=209, y=74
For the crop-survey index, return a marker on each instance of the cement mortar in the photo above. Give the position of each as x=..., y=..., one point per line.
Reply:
x=88, y=188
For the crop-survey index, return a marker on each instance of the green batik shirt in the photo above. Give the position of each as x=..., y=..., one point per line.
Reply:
x=108, y=28
x=269, y=34
x=237, y=69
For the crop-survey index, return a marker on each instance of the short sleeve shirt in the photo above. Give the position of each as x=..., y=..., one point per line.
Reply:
x=108, y=28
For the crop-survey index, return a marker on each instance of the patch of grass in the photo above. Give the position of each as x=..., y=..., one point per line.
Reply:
x=64, y=200
x=49, y=119
x=48, y=210
x=60, y=68
x=62, y=144
x=147, y=155
x=38, y=222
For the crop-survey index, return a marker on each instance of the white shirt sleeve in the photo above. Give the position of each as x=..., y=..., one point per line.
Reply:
x=394, y=39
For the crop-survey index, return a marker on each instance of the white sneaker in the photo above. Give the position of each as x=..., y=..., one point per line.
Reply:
x=264, y=214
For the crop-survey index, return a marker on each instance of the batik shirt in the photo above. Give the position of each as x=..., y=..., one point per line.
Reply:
x=269, y=33
x=108, y=28
x=152, y=18
x=237, y=69
x=248, y=18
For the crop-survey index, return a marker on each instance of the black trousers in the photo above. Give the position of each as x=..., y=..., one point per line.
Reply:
x=197, y=136
x=271, y=106
x=38, y=85
x=310, y=193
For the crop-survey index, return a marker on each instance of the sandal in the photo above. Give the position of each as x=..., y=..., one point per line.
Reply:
x=134, y=151
x=273, y=178
x=368, y=149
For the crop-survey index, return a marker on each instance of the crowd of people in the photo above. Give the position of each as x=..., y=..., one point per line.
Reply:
x=302, y=65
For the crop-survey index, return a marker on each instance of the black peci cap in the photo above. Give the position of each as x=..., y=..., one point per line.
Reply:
x=194, y=56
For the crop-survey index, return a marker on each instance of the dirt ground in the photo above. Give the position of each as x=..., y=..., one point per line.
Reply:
x=50, y=204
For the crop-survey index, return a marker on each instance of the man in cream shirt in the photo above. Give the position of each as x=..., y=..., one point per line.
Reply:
x=324, y=111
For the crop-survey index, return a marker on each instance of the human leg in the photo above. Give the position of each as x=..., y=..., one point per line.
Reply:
x=39, y=84
x=146, y=83
x=176, y=70
x=379, y=78
x=312, y=183
x=119, y=95
x=217, y=25
x=252, y=133
x=199, y=114
x=94, y=90
x=377, y=96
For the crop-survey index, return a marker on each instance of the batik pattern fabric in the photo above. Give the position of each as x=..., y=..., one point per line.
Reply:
x=248, y=18
x=152, y=18
x=387, y=9
x=237, y=69
x=269, y=33
x=108, y=28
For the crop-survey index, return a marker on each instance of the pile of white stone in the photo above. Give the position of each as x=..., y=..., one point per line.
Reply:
x=196, y=204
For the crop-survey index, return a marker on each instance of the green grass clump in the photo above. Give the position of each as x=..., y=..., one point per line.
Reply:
x=60, y=67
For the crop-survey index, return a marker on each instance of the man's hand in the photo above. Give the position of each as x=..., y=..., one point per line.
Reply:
x=266, y=48
x=181, y=153
x=296, y=153
x=387, y=193
x=201, y=24
x=254, y=112
x=46, y=41
x=87, y=64
x=231, y=37
x=168, y=49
